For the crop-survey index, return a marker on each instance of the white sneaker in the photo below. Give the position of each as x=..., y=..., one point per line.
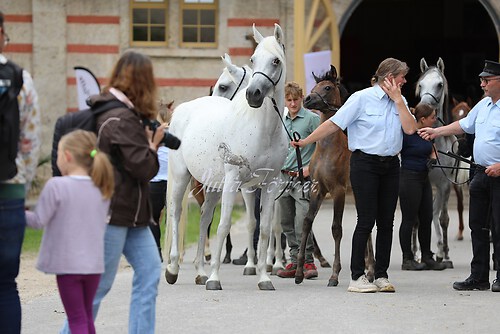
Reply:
x=384, y=285
x=362, y=284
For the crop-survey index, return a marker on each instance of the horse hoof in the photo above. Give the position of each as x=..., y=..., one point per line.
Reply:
x=227, y=259
x=201, y=280
x=449, y=264
x=213, y=285
x=171, y=278
x=250, y=271
x=269, y=268
x=333, y=282
x=266, y=285
x=208, y=257
x=299, y=279
x=324, y=264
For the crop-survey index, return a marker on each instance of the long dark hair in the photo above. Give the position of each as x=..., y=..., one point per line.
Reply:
x=133, y=75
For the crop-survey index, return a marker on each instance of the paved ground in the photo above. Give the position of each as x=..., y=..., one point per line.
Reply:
x=424, y=301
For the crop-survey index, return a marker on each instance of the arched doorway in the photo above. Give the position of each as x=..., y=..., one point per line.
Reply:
x=459, y=31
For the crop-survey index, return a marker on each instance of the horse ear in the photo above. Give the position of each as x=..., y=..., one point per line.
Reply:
x=423, y=65
x=256, y=35
x=440, y=64
x=229, y=65
x=316, y=78
x=333, y=71
x=278, y=34
x=226, y=59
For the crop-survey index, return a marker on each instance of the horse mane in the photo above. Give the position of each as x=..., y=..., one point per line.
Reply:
x=344, y=94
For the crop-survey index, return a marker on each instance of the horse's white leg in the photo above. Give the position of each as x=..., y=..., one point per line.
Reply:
x=444, y=221
x=207, y=213
x=249, y=199
x=437, y=205
x=228, y=197
x=276, y=231
x=267, y=203
x=179, y=185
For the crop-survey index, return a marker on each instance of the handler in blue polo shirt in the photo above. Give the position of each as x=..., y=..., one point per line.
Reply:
x=484, y=121
x=375, y=119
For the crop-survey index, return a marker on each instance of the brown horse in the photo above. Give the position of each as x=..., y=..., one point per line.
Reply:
x=459, y=111
x=329, y=170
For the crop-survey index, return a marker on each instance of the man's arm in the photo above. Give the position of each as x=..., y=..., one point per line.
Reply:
x=448, y=130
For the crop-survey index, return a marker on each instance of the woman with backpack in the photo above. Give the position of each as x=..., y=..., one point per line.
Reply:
x=132, y=149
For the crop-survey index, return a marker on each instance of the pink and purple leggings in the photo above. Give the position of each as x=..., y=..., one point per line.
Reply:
x=77, y=293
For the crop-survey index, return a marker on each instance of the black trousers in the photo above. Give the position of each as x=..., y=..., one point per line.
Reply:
x=375, y=184
x=415, y=200
x=158, y=197
x=484, y=212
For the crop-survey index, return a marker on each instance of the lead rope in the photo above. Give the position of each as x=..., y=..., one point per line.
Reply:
x=296, y=137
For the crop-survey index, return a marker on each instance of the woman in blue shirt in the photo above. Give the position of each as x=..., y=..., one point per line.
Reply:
x=375, y=118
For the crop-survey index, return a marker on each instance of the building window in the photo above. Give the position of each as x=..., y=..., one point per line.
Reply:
x=148, y=22
x=199, y=23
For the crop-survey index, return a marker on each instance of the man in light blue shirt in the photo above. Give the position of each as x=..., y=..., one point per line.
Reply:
x=484, y=121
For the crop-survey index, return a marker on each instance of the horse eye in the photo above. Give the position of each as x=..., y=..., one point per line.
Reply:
x=222, y=87
x=276, y=61
x=328, y=88
x=251, y=60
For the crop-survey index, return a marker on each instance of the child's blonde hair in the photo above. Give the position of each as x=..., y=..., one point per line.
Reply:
x=82, y=145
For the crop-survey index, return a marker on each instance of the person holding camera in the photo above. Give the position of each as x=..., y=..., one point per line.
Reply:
x=132, y=148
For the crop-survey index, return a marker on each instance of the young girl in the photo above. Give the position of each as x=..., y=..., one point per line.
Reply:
x=73, y=210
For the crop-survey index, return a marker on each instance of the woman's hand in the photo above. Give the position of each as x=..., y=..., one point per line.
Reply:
x=392, y=89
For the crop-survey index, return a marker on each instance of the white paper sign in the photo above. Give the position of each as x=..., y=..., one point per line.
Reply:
x=317, y=62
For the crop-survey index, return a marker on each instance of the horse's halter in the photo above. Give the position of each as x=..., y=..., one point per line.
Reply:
x=433, y=97
x=239, y=85
x=268, y=78
x=328, y=105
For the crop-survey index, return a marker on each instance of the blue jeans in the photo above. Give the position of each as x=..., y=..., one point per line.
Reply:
x=139, y=247
x=12, y=225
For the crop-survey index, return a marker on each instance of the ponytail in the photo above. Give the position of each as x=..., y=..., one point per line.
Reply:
x=82, y=145
x=102, y=174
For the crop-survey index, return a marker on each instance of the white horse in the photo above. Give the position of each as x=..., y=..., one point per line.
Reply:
x=432, y=88
x=232, y=80
x=238, y=144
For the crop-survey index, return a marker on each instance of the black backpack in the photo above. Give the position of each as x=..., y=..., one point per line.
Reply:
x=11, y=83
x=84, y=120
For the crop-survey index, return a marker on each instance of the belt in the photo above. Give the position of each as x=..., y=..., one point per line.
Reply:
x=376, y=157
x=290, y=173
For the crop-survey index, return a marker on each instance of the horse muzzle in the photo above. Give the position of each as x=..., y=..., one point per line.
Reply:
x=255, y=97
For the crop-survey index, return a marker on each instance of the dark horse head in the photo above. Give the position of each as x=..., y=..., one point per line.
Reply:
x=328, y=94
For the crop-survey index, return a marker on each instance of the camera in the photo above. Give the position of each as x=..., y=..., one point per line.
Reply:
x=169, y=140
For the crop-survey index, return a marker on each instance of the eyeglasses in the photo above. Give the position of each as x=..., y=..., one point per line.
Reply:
x=487, y=80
